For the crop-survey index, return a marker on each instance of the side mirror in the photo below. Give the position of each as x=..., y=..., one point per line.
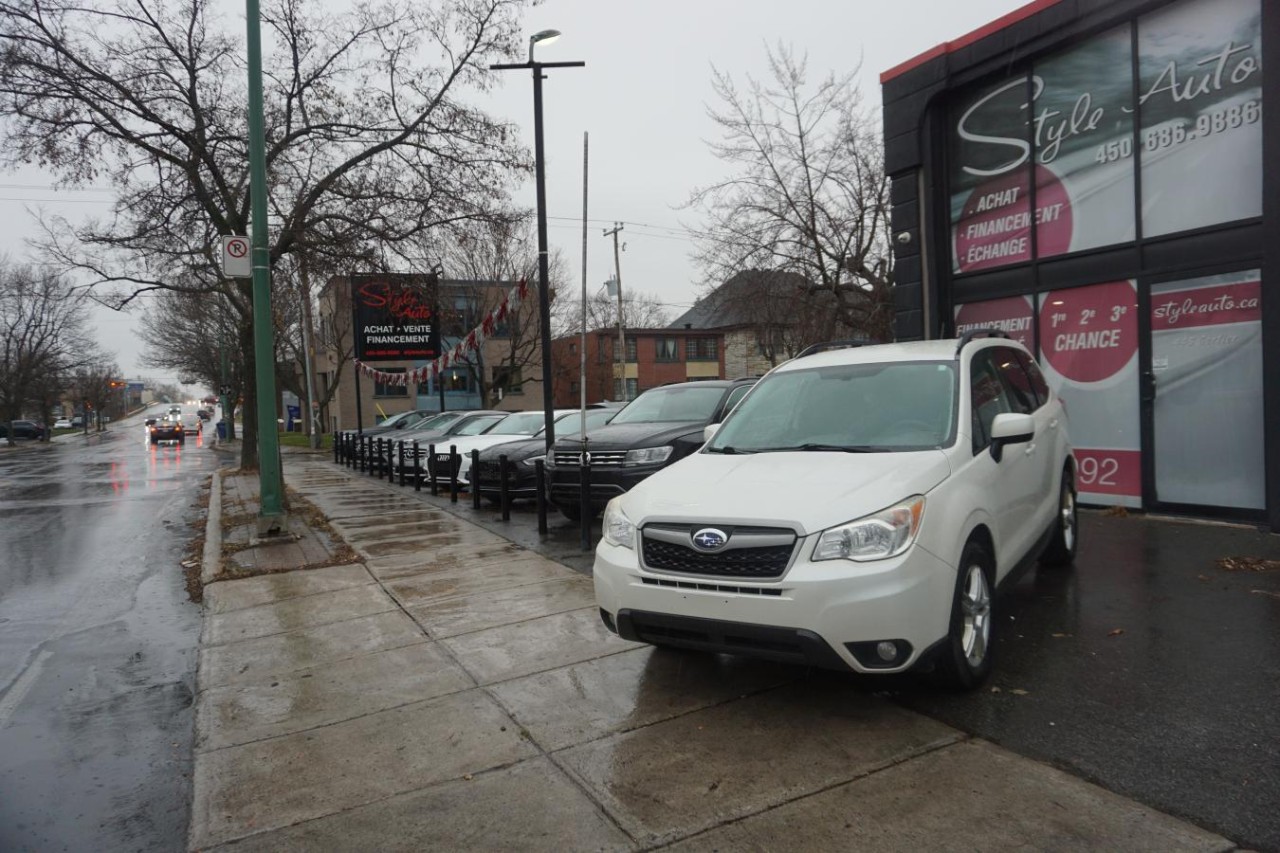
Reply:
x=708, y=431
x=1010, y=428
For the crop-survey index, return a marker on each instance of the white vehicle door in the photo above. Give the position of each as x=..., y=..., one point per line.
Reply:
x=1015, y=479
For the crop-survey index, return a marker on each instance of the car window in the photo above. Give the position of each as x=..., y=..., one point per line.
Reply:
x=734, y=396
x=1017, y=383
x=673, y=403
x=989, y=397
x=892, y=406
x=1038, y=383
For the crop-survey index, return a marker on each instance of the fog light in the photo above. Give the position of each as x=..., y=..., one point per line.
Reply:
x=881, y=654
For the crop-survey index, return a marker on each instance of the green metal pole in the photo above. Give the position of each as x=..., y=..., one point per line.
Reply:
x=270, y=485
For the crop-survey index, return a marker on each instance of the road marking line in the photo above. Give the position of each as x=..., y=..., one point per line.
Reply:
x=21, y=687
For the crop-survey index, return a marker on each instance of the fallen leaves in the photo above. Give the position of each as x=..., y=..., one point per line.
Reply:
x=1265, y=592
x=1117, y=512
x=1248, y=564
x=1115, y=632
x=1060, y=635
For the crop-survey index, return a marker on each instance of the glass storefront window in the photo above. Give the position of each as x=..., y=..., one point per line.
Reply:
x=1089, y=354
x=1200, y=96
x=1206, y=360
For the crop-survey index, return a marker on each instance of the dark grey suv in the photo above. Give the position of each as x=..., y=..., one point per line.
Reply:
x=655, y=429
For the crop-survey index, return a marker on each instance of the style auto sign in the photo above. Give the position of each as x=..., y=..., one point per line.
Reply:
x=395, y=317
x=1068, y=126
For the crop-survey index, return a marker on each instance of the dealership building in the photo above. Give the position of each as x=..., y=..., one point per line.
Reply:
x=1088, y=176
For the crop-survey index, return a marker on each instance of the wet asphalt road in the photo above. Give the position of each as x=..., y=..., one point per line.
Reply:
x=97, y=642
x=1146, y=668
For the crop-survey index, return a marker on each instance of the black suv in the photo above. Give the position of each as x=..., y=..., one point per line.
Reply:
x=655, y=429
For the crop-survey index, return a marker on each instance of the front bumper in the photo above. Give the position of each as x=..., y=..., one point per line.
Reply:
x=809, y=616
x=564, y=486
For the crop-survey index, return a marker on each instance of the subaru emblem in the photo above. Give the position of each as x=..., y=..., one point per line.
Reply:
x=710, y=539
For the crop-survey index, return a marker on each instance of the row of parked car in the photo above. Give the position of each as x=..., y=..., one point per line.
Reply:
x=856, y=508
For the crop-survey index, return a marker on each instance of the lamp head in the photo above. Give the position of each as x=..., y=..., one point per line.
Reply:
x=544, y=37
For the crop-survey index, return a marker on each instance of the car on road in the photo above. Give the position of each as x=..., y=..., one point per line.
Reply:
x=523, y=456
x=168, y=428
x=22, y=429
x=655, y=429
x=62, y=423
x=857, y=511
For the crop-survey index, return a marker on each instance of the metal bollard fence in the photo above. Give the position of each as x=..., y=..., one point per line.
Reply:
x=417, y=468
x=401, y=443
x=431, y=469
x=360, y=454
x=504, y=486
x=375, y=457
x=540, y=478
x=454, y=459
x=475, y=479
x=584, y=507
x=337, y=446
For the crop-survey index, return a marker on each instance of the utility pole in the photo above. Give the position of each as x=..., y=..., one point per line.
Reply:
x=622, y=339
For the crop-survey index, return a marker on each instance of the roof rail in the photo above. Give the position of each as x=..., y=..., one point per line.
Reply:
x=979, y=333
x=829, y=345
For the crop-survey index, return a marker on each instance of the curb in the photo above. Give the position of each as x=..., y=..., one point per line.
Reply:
x=212, y=532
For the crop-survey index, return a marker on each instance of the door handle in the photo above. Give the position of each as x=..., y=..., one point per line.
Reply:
x=1031, y=448
x=1148, y=386
x=1053, y=424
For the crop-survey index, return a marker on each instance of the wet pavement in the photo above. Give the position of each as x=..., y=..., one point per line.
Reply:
x=455, y=689
x=97, y=642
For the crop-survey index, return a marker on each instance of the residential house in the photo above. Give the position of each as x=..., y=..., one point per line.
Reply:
x=653, y=357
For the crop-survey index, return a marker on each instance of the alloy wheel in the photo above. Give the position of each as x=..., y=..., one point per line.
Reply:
x=975, y=609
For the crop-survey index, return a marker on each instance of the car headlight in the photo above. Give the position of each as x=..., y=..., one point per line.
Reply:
x=532, y=461
x=648, y=455
x=618, y=529
x=875, y=537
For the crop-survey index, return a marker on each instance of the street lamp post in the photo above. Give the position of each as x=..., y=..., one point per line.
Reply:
x=544, y=296
x=271, y=513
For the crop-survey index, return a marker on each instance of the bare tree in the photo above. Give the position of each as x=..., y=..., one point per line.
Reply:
x=366, y=146
x=809, y=194
x=193, y=335
x=92, y=386
x=43, y=338
x=639, y=311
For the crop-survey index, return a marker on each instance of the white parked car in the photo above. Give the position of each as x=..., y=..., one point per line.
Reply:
x=62, y=423
x=857, y=511
x=514, y=427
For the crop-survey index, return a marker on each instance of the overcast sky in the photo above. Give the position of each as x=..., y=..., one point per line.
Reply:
x=642, y=97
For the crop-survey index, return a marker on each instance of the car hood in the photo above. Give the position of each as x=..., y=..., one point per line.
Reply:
x=808, y=491
x=515, y=451
x=629, y=436
x=468, y=443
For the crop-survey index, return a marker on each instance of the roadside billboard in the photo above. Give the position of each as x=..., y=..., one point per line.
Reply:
x=395, y=317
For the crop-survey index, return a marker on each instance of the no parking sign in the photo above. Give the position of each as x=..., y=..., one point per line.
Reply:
x=235, y=256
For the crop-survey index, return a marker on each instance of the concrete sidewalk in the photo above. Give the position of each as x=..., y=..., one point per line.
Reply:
x=452, y=690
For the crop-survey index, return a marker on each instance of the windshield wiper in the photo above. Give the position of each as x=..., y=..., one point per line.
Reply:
x=728, y=451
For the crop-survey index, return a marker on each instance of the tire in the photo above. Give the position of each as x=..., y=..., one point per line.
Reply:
x=965, y=659
x=1061, y=550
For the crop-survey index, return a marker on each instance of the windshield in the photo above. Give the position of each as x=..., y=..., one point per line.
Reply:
x=571, y=424
x=435, y=422
x=675, y=403
x=475, y=426
x=896, y=406
x=521, y=423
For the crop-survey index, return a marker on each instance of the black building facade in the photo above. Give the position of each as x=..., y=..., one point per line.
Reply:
x=1092, y=177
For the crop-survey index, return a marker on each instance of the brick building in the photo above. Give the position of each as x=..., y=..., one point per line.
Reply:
x=654, y=357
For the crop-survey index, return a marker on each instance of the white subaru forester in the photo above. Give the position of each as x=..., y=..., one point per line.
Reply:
x=856, y=510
